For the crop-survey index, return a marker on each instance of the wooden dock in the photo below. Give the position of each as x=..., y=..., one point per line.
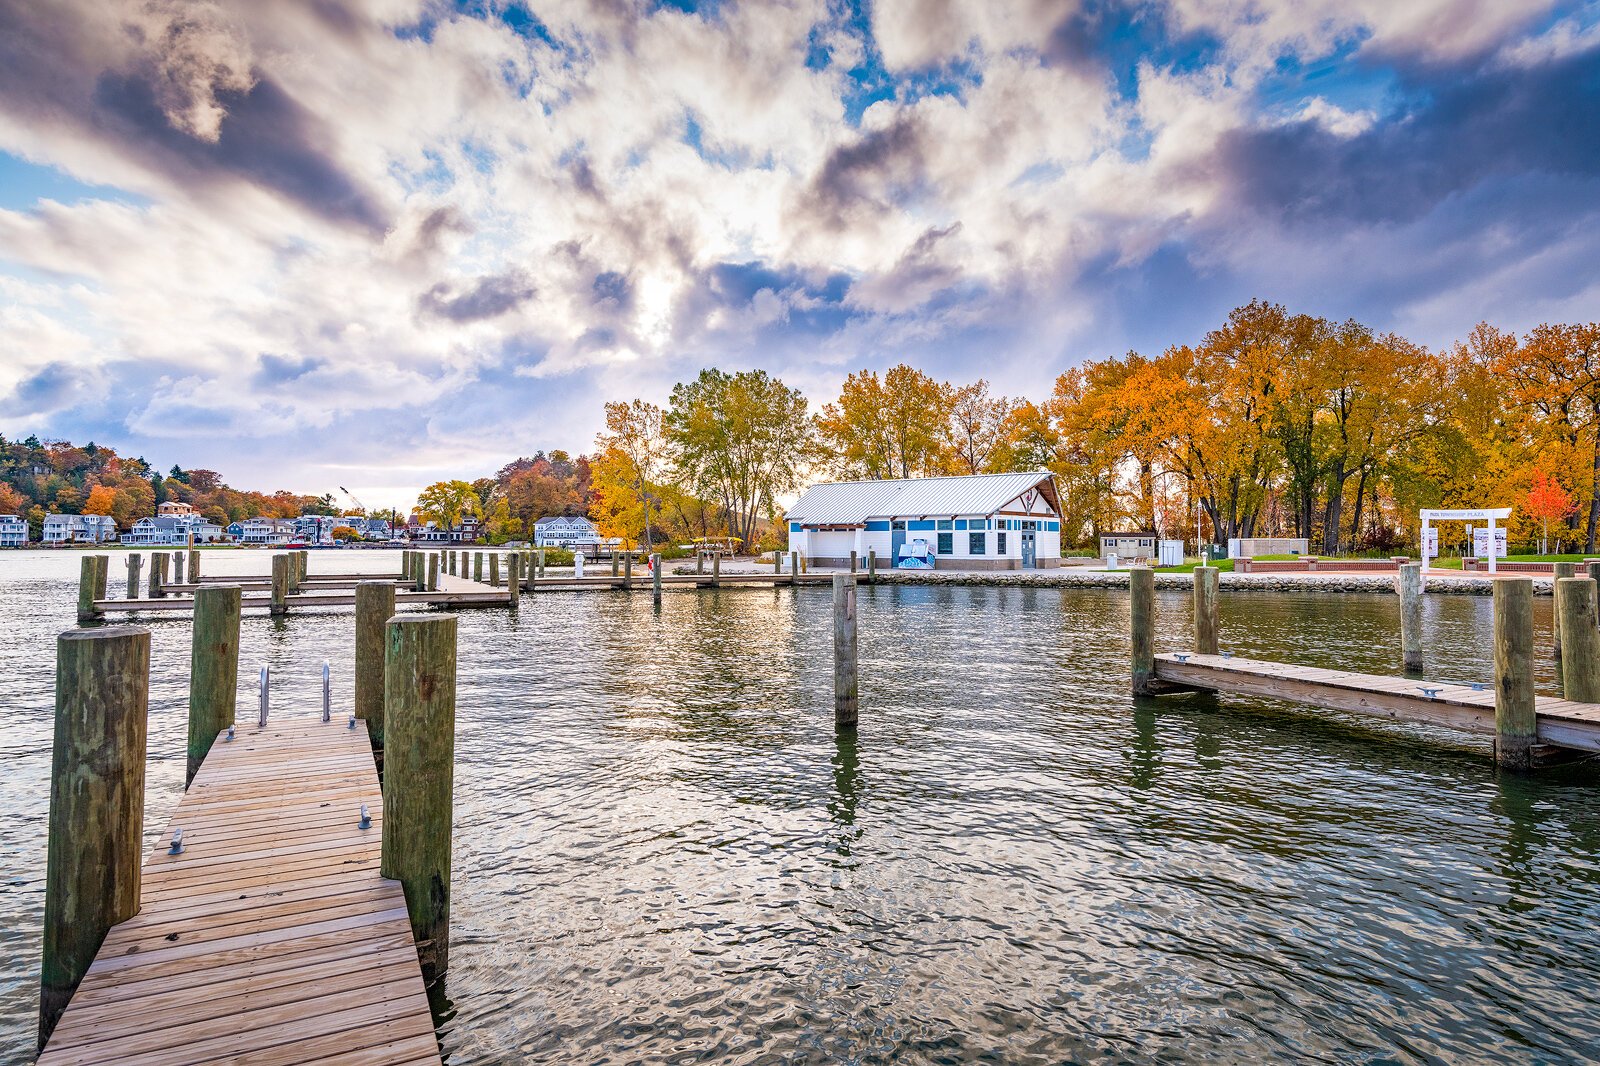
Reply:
x=271, y=939
x=453, y=591
x=1561, y=723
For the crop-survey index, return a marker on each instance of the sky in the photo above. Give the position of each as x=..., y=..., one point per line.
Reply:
x=373, y=243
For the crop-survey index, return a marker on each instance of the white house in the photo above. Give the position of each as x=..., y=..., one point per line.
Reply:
x=175, y=528
x=975, y=522
x=78, y=529
x=13, y=531
x=564, y=531
x=271, y=532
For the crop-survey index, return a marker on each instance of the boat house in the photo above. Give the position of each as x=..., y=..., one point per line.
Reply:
x=975, y=522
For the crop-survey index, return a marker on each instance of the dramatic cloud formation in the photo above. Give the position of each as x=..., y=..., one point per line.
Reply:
x=372, y=241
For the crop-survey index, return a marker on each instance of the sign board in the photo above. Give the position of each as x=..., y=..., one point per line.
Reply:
x=1430, y=543
x=1480, y=543
x=1468, y=514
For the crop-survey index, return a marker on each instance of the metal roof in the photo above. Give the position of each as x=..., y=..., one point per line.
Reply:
x=853, y=502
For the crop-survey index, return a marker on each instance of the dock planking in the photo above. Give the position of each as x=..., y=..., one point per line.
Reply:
x=271, y=939
x=1561, y=723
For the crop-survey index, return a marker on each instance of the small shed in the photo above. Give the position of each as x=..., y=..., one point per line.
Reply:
x=969, y=522
x=1130, y=548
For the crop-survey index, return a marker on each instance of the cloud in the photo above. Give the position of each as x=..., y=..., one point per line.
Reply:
x=454, y=230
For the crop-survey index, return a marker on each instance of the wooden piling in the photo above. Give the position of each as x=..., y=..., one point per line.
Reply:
x=1580, y=639
x=96, y=803
x=1516, y=725
x=178, y=559
x=699, y=562
x=419, y=691
x=281, y=567
x=194, y=566
x=514, y=581
x=777, y=561
x=627, y=571
x=135, y=564
x=872, y=566
x=716, y=570
x=852, y=560
x=433, y=572
x=1207, y=581
x=477, y=566
x=1559, y=572
x=494, y=569
x=794, y=564
x=541, y=562
x=419, y=575
x=88, y=581
x=655, y=578
x=374, y=608
x=845, y=683
x=613, y=562
x=1409, y=584
x=158, y=575
x=213, y=669
x=1142, y=611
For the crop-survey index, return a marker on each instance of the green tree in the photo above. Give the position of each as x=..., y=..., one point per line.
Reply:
x=448, y=502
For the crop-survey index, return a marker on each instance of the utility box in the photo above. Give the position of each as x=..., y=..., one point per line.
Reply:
x=1171, y=553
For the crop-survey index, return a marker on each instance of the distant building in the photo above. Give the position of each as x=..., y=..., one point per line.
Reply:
x=267, y=532
x=433, y=533
x=369, y=528
x=178, y=527
x=976, y=522
x=1129, y=548
x=564, y=531
x=13, y=531
x=78, y=529
x=173, y=509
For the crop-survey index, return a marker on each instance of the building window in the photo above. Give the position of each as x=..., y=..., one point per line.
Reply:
x=946, y=543
x=1001, y=550
x=944, y=523
x=897, y=525
x=975, y=545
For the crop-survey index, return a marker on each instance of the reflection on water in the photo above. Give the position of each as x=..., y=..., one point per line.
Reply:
x=665, y=852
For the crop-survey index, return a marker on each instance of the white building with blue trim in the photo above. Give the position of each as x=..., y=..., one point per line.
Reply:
x=13, y=531
x=973, y=522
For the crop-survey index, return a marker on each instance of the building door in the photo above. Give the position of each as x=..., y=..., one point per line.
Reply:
x=1029, y=557
x=897, y=540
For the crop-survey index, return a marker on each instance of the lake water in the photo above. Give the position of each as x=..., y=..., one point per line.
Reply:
x=665, y=854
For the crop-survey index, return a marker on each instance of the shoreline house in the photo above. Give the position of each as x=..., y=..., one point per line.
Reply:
x=967, y=522
x=13, y=531
x=78, y=529
x=172, y=530
x=565, y=531
x=431, y=532
x=269, y=532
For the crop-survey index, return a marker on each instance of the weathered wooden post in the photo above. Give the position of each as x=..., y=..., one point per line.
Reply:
x=1593, y=568
x=655, y=578
x=419, y=695
x=541, y=562
x=374, y=608
x=1559, y=572
x=1409, y=584
x=1206, y=582
x=716, y=570
x=872, y=566
x=304, y=571
x=158, y=575
x=135, y=564
x=178, y=559
x=1580, y=639
x=213, y=669
x=700, y=561
x=794, y=565
x=91, y=879
x=613, y=562
x=194, y=566
x=627, y=571
x=514, y=581
x=845, y=686
x=419, y=575
x=777, y=561
x=477, y=567
x=88, y=581
x=852, y=560
x=494, y=569
x=281, y=567
x=433, y=572
x=1142, y=608
x=1515, y=716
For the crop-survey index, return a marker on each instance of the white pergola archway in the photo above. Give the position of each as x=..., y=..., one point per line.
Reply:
x=1478, y=514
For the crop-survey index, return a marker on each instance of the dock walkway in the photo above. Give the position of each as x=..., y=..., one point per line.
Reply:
x=1561, y=723
x=271, y=939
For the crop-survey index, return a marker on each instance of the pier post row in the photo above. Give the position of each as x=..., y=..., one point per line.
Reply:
x=1580, y=639
x=374, y=608
x=1515, y=715
x=1408, y=583
x=1206, y=584
x=96, y=803
x=846, y=688
x=213, y=670
x=419, y=755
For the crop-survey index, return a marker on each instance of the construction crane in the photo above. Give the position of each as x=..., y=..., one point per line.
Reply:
x=355, y=501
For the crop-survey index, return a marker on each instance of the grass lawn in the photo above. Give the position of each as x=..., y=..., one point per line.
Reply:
x=1455, y=564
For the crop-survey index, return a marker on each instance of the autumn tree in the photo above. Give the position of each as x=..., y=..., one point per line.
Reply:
x=1547, y=501
x=631, y=454
x=741, y=439
x=898, y=426
x=102, y=500
x=447, y=503
x=977, y=421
